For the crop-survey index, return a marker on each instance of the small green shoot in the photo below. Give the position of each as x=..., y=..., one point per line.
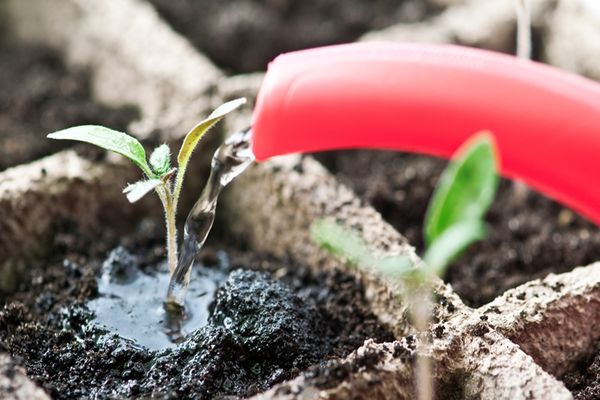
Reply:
x=454, y=220
x=349, y=246
x=454, y=217
x=158, y=171
x=466, y=189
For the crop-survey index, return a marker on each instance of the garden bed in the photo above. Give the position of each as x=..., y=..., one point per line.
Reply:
x=263, y=327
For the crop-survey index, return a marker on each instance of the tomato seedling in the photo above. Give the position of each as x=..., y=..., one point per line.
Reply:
x=159, y=175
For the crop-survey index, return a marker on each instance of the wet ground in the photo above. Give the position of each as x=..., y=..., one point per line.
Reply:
x=263, y=327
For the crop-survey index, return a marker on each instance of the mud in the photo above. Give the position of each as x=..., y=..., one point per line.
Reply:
x=264, y=326
x=528, y=237
x=39, y=95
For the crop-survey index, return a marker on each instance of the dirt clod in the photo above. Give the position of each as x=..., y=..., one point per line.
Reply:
x=266, y=316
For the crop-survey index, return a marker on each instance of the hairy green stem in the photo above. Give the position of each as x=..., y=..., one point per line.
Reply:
x=178, y=184
x=171, y=235
x=169, y=208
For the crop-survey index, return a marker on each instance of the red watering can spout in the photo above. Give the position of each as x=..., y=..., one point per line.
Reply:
x=430, y=99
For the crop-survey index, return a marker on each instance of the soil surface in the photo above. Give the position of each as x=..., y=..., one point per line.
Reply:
x=39, y=95
x=270, y=320
x=244, y=35
x=584, y=382
x=529, y=236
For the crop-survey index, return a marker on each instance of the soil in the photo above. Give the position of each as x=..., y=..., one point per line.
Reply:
x=269, y=320
x=244, y=35
x=40, y=95
x=528, y=238
x=584, y=381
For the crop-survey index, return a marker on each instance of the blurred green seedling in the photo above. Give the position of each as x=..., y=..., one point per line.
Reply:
x=454, y=218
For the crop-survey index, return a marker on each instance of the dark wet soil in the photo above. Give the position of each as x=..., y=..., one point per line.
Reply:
x=270, y=320
x=39, y=95
x=528, y=238
x=584, y=381
x=244, y=35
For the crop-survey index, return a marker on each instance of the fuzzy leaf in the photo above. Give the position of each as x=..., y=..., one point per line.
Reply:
x=339, y=241
x=193, y=137
x=451, y=243
x=160, y=160
x=107, y=139
x=137, y=190
x=397, y=267
x=348, y=245
x=466, y=189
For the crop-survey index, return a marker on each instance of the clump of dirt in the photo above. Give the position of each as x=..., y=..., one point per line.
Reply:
x=584, y=381
x=528, y=238
x=40, y=95
x=244, y=35
x=259, y=333
x=270, y=320
x=266, y=316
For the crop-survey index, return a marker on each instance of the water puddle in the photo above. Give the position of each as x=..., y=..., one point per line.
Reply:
x=131, y=301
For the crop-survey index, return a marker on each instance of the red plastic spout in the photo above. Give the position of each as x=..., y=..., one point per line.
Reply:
x=430, y=99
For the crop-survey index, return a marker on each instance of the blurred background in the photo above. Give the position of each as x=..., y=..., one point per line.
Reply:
x=47, y=77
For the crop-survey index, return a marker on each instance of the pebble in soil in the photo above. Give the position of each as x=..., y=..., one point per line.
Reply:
x=259, y=330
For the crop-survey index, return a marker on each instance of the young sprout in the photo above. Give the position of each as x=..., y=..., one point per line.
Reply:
x=523, y=8
x=455, y=215
x=454, y=220
x=159, y=175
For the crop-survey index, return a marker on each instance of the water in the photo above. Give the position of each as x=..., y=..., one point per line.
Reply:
x=131, y=302
x=230, y=160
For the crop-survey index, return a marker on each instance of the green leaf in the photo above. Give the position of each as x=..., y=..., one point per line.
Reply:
x=451, y=243
x=137, y=190
x=160, y=160
x=466, y=189
x=348, y=245
x=339, y=241
x=397, y=267
x=193, y=137
x=107, y=139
